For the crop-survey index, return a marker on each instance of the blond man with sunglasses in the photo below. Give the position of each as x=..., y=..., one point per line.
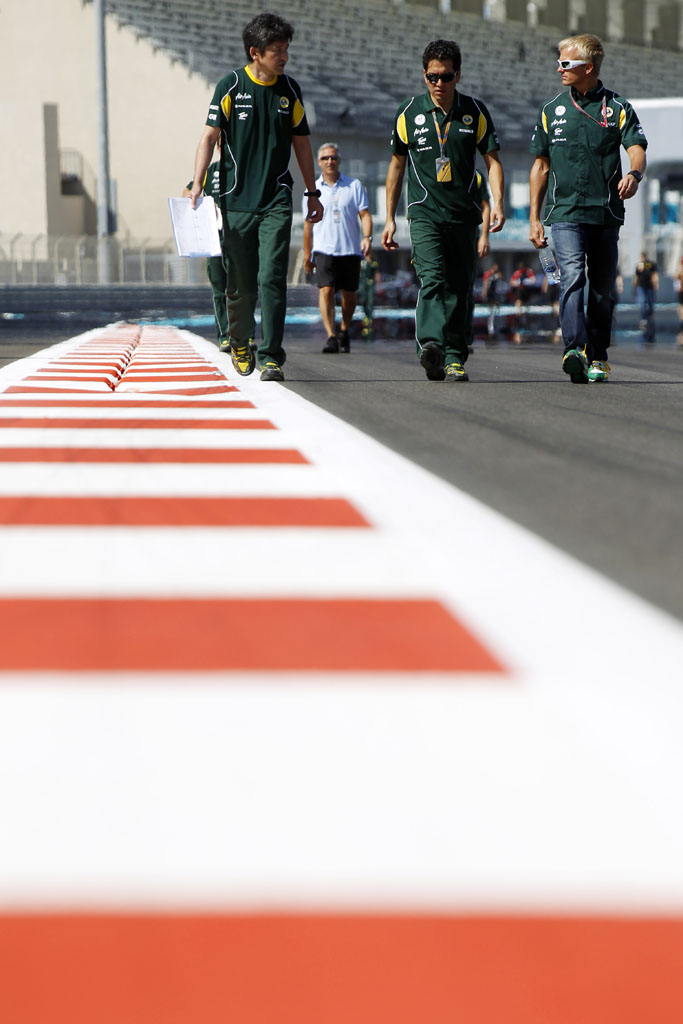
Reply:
x=577, y=144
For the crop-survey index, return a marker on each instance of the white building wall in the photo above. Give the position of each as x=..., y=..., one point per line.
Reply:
x=156, y=110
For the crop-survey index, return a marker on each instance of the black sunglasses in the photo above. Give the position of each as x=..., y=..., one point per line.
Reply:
x=329, y=157
x=447, y=76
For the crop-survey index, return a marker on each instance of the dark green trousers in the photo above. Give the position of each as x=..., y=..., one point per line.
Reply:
x=256, y=251
x=215, y=271
x=444, y=256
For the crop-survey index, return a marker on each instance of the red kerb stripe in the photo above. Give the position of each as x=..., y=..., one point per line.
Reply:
x=237, y=634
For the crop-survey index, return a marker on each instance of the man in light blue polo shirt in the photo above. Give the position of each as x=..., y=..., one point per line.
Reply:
x=335, y=246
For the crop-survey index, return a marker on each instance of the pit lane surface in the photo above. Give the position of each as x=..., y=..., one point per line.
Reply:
x=596, y=470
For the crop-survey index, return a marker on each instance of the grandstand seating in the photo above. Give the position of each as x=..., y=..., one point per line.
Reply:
x=355, y=63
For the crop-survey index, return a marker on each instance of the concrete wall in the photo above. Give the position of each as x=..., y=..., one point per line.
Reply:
x=157, y=111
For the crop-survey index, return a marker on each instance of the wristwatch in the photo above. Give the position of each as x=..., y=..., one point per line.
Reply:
x=637, y=175
x=316, y=192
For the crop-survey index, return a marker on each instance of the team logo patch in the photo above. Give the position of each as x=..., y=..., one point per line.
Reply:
x=467, y=119
x=560, y=110
x=420, y=119
x=608, y=111
x=284, y=102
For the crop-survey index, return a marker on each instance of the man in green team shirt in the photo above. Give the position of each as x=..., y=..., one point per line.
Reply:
x=577, y=144
x=258, y=112
x=215, y=268
x=438, y=135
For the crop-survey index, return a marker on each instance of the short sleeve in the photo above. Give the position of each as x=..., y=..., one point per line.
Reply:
x=219, y=107
x=299, y=120
x=360, y=195
x=632, y=133
x=487, y=139
x=539, y=145
x=399, y=136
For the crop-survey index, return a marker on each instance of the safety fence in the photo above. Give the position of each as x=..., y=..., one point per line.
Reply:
x=73, y=260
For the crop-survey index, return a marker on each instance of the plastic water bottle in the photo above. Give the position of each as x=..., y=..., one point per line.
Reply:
x=549, y=263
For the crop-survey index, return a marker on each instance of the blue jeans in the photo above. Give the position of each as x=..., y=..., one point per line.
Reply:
x=587, y=251
x=646, y=302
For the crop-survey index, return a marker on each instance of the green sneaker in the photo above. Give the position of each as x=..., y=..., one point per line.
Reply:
x=598, y=371
x=243, y=359
x=271, y=371
x=576, y=365
x=431, y=358
x=456, y=371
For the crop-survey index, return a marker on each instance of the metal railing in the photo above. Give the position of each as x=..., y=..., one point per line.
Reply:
x=72, y=260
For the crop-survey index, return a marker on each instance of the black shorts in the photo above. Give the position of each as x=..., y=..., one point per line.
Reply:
x=340, y=272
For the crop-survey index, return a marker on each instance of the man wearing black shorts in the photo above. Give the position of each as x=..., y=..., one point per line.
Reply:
x=334, y=244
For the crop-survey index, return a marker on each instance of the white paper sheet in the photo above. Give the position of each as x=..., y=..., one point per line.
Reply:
x=195, y=231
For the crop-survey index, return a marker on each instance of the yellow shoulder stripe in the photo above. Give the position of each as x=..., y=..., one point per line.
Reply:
x=622, y=118
x=402, y=129
x=298, y=115
x=545, y=123
x=478, y=179
x=226, y=104
x=481, y=128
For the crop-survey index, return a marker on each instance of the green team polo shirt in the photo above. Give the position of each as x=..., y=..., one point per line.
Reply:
x=582, y=136
x=481, y=191
x=471, y=131
x=257, y=121
x=211, y=185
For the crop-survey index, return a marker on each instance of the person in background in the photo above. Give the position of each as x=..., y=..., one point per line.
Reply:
x=437, y=136
x=576, y=144
x=215, y=268
x=678, y=288
x=369, y=278
x=482, y=250
x=334, y=244
x=552, y=296
x=492, y=284
x=522, y=283
x=258, y=112
x=646, y=283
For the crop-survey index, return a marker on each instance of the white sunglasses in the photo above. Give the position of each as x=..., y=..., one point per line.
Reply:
x=567, y=64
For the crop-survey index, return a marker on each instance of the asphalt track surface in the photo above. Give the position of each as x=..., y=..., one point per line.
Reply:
x=597, y=470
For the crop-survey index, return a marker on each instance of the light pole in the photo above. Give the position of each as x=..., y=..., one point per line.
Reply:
x=104, y=253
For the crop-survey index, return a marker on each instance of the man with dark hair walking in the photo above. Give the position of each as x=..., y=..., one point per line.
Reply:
x=437, y=135
x=577, y=142
x=259, y=114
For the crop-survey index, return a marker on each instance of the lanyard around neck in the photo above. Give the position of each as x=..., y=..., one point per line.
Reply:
x=442, y=139
x=603, y=123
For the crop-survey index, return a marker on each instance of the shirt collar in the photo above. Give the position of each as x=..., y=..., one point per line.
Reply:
x=429, y=107
x=320, y=181
x=592, y=94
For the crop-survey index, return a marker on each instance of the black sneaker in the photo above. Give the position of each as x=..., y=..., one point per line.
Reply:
x=331, y=345
x=271, y=371
x=344, y=343
x=431, y=358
